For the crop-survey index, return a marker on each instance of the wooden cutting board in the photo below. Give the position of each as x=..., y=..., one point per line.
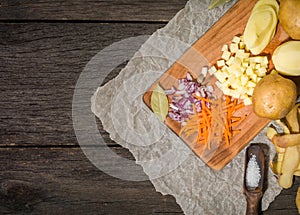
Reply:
x=205, y=52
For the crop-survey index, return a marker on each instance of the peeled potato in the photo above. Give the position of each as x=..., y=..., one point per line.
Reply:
x=286, y=58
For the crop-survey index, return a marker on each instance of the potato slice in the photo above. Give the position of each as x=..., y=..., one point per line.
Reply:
x=261, y=25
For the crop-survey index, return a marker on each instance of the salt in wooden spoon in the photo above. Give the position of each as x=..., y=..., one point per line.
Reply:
x=253, y=187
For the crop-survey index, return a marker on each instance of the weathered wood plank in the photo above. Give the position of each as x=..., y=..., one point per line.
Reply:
x=113, y=10
x=63, y=181
x=40, y=65
x=285, y=202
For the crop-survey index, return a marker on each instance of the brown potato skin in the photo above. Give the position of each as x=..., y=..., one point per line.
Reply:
x=274, y=97
x=286, y=140
x=289, y=17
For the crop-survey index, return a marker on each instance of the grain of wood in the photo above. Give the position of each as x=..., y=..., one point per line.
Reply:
x=40, y=62
x=40, y=65
x=285, y=203
x=107, y=10
x=63, y=181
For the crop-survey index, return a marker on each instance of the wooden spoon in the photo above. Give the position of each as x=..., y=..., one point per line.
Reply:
x=254, y=194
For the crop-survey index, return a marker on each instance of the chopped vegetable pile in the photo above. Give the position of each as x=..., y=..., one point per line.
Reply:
x=215, y=122
x=238, y=72
x=203, y=116
x=183, y=99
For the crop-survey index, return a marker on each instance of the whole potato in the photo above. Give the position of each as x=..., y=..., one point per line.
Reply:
x=289, y=17
x=274, y=97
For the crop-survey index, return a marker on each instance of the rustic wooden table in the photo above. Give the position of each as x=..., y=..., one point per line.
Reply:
x=44, y=46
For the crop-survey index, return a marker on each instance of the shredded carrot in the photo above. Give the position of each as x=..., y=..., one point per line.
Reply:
x=215, y=122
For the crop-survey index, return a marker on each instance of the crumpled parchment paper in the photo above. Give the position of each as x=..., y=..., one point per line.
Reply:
x=168, y=162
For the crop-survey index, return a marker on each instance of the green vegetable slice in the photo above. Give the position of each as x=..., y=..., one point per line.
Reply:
x=159, y=103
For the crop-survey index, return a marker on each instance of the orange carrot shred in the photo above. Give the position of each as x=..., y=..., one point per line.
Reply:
x=210, y=122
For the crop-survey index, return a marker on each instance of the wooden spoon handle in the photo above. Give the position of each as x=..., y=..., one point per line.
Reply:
x=253, y=203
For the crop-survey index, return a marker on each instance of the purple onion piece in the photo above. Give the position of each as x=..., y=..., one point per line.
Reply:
x=198, y=106
x=191, y=87
x=183, y=98
x=170, y=91
x=188, y=76
x=175, y=116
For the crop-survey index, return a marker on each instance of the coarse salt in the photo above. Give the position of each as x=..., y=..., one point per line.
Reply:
x=253, y=173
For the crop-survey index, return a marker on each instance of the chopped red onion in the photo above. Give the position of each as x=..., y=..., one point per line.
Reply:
x=170, y=91
x=189, y=77
x=183, y=98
